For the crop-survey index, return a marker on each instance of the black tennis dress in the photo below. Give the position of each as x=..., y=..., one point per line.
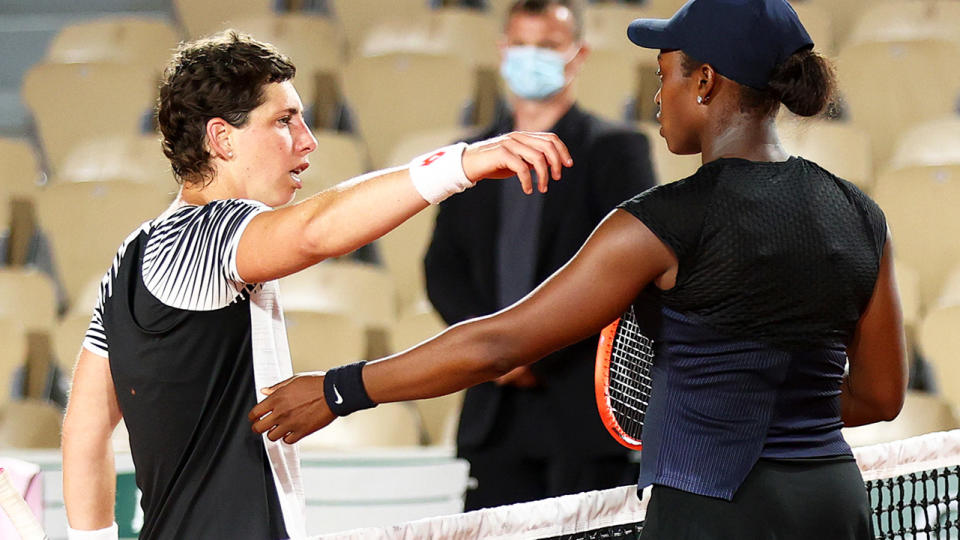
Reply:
x=777, y=262
x=189, y=343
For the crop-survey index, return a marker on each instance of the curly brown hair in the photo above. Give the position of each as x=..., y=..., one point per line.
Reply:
x=221, y=76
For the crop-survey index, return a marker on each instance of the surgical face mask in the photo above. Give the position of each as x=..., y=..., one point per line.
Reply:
x=533, y=72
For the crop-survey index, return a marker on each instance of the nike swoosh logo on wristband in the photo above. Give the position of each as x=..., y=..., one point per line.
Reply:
x=338, y=398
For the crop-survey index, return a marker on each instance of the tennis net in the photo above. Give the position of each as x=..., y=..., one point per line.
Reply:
x=913, y=486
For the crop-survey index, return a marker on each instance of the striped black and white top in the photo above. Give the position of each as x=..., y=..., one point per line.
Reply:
x=189, y=343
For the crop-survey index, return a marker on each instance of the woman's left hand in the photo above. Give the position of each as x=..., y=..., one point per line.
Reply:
x=293, y=409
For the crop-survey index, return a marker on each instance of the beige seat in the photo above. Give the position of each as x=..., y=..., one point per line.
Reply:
x=138, y=158
x=950, y=292
x=315, y=44
x=28, y=296
x=921, y=204
x=605, y=29
x=87, y=221
x=104, y=99
x=203, y=18
x=320, y=341
x=13, y=356
x=357, y=17
x=141, y=40
x=608, y=82
x=338, y=157
x=30, y=423
x=939, y=341
x=668, y=166
x=899, y=20
x=20, y=168
x=843, y=15
x=396, y=94
x=889, y=87
x=467, y=33
x=841, y=148
x=908, y=284
x=403, y=249
x=932, y=143
x=819, y=25
x=387, y=425
x=922, y=413
x=68, y=337
x=362, y=291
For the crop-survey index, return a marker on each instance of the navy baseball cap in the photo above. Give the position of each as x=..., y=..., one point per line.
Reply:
x=744, y=40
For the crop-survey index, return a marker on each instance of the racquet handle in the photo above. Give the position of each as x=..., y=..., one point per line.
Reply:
x=17, y=510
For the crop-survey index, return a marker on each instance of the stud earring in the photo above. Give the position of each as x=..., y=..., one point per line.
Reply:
x=700, y=100
x=229, y=154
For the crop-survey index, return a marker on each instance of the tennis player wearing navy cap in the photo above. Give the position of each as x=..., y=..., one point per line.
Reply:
x=766, y=275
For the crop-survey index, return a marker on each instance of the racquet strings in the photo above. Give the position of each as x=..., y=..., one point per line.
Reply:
x=631, y=358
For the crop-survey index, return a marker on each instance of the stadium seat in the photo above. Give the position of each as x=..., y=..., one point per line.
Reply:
x=315, y=44
x=921, y=204
x=124, y=39
x=889, y=87
x=87, y=221
x=468, y=34
x=395, y=94
x=932, y=143
x=666, y=165
x=605, y=29
x=389, y=424
x=839, y=147
x=357, y=17
x=843, y=15
x=950, y=293
x=137, y=158
x=13, y=356
x=819, y=25
x=908, y=284
x=19, y=168
x=421, y=142
x=30, y=424
x=104, y=99
x=899, y=20
x=608, y=84
x=402, y=250
x=362, y=291
x=28, y=296
x=67, y=338
x=939, y=342
x=202, y=18
x=319, y=341
x=922, y=413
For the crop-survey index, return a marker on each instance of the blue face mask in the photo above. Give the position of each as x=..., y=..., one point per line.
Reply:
x=533, y=72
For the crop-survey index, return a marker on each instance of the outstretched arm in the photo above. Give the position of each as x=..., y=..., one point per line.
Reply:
x=341, y=219
x=89, y=479
x=621, y=258
x=876, y=385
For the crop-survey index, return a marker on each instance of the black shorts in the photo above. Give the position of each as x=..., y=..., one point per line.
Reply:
x=822, y=499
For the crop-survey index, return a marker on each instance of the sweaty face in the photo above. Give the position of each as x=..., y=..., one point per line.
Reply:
x=676, y=99
x=271, y=148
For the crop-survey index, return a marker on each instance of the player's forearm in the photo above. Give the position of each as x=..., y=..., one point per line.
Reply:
x=89, y=478
x=358, y=211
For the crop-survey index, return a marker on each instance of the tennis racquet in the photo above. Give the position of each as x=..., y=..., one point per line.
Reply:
x=17, y=510
x=622, y=379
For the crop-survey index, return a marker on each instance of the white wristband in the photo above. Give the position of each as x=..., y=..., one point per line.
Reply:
x=109, y=533
x=439, y=174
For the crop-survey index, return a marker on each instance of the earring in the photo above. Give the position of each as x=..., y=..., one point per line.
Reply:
x=229, y=154
x=700, y=100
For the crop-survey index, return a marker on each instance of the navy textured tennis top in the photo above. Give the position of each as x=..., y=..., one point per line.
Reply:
x=777, y=261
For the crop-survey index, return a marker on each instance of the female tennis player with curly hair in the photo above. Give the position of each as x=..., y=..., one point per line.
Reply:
x=767, y=273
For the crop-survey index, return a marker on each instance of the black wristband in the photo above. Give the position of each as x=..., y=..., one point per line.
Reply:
x=344, y=391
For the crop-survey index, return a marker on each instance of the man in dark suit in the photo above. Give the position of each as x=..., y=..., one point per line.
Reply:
x=535, y=432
